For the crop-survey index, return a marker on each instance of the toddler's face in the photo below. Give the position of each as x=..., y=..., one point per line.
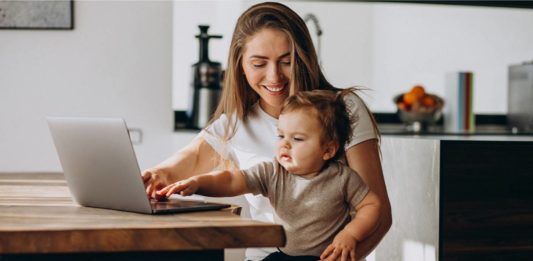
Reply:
x=300, y=149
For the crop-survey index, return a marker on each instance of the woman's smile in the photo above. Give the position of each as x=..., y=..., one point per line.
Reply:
x=276, y=89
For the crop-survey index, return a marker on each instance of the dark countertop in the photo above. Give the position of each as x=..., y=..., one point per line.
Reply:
x=484, y=132
x=486, y=125
x=446, y=133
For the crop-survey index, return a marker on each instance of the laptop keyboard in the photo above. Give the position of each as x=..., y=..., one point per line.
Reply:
x=173, y=203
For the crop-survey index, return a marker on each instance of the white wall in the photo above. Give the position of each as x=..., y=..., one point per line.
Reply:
x=386, y=47
x=421, y=43
x=116, y=62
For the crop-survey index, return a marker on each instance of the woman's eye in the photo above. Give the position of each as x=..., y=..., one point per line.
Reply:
x=286, y=62
x=258, y=65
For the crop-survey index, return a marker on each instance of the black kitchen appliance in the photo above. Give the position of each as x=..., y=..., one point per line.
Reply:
x=207, y=83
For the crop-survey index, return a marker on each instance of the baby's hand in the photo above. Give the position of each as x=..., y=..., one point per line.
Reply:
x=342, y=248
x=184, y=187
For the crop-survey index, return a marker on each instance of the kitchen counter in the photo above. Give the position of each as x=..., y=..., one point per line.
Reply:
x=461, y=137
x=458, y=197
x=38, y=216
x=492, y=133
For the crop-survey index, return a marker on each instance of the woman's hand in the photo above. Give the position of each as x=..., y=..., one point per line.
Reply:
x=342, y=248
x=155, y=179
x=197, y=157
x=184, y=188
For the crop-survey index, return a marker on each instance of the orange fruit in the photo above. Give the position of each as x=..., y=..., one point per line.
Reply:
x=428, y=101
x=409, y=98
x=418, y=91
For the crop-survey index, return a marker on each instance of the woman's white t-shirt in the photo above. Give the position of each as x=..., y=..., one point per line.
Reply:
x=255, y=141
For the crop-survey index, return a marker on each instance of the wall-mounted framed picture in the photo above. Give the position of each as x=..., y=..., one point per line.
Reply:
x=42, y=14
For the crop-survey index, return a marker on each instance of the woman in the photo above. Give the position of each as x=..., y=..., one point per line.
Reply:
x=271, y=57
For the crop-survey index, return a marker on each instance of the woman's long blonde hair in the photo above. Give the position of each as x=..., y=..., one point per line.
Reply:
x=237, y=95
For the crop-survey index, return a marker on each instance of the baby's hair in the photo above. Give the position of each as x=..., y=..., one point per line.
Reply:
x=331, y=111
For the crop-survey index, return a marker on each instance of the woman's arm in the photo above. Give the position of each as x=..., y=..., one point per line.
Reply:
x=365, y=222
x=197, y=157
x=344, y=246
x=365, y=159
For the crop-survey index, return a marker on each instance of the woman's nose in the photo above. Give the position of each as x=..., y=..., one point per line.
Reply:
x=274, y=74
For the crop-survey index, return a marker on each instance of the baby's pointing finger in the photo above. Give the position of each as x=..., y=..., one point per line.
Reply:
x=168, y=190
x=187, y=191
x=164, y=190
x=175, y=188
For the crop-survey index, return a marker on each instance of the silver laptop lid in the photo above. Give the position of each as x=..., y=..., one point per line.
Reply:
x=99, y=163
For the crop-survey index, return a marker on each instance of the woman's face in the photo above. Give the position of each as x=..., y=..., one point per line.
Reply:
x=267, y=67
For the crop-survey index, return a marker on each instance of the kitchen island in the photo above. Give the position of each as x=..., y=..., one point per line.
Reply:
x=38, y=219
x=458, y=197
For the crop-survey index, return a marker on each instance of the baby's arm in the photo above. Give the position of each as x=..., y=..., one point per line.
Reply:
x=364, y=223
x=220, y=183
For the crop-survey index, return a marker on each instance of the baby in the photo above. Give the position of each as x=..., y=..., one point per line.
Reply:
x=312, y=192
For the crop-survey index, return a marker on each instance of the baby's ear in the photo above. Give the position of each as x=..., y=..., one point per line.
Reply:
x=330, y=150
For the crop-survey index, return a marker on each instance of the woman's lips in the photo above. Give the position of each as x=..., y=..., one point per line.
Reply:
x=277, y=89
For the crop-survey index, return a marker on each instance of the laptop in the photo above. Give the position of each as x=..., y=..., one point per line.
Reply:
x=101, y=168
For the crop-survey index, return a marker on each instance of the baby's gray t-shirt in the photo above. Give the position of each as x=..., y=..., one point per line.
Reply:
x=312, y=211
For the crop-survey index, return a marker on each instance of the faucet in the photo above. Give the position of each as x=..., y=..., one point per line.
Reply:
x=314, y=19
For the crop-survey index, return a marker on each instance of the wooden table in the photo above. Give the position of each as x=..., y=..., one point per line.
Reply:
x=39, y=217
